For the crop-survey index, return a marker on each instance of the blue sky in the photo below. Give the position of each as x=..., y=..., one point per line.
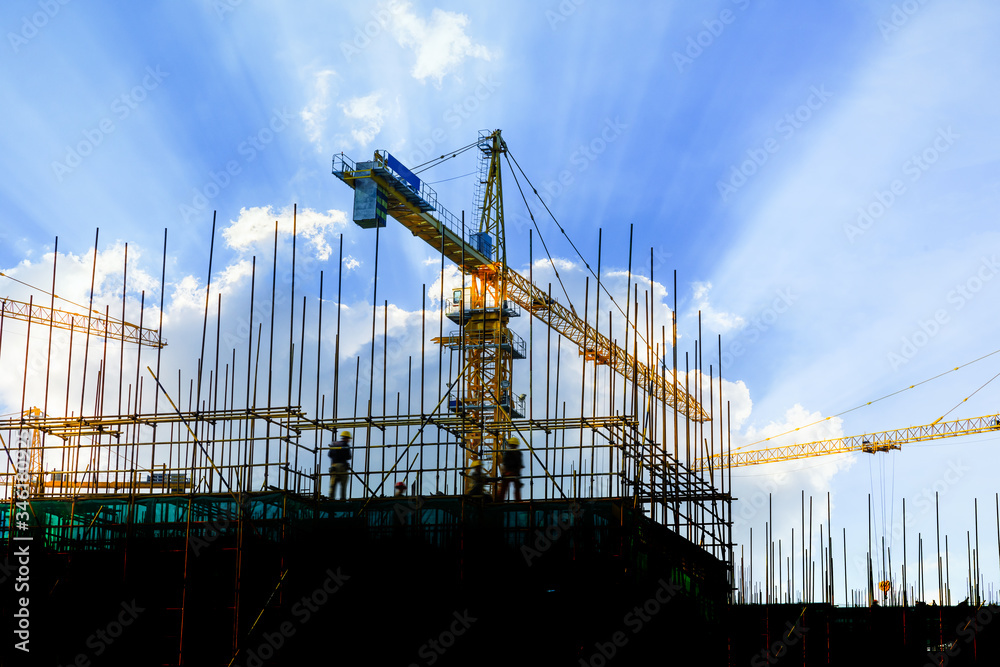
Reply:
x=825, y=181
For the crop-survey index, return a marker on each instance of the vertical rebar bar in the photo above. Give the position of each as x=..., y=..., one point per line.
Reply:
x=677, y=472
x=975, y=569
x=90, y=311
x=937, y=523
x=208, y=290
x=318, y=439
x=846, y=602
x=905, y=600
x=270, y=355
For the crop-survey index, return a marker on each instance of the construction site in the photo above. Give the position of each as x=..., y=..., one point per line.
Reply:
x=193, y=520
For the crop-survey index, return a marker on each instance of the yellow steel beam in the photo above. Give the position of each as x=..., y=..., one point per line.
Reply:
x=96, y=324
x=882, y=441
x=65, y=484
x=69, y=427
x=458, y=423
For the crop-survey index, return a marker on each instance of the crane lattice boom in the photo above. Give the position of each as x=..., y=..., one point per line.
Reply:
x=882, y=441
x=97, y=325
x=598, y=347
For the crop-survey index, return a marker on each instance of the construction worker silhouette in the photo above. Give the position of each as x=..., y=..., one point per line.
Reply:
x=511, y=473
x=474, y=479
x=340, y=455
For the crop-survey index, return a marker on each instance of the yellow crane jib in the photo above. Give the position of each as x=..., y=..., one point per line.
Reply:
x=870, y=443
x=95, y=324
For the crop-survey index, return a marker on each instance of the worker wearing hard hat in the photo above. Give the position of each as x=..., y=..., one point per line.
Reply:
x=340, y=456
x=474, y=479
x=512, y=465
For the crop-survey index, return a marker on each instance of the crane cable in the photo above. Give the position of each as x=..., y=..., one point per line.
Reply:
x=540, y=238
x=899, y=391
x=453, y=178
x=433, y=162
x=54, y=296
x=600, y=284
x=966, y=398
x=509, y=156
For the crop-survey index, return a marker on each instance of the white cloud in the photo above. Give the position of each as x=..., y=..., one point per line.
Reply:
x=368, y=117
x=73, y=280
x=800, y=426
x=187, y=294
x=716, y=320
x=350, y=263
x=560, y=264
x=452, y=279
x=256, y=225
x=439, y=44
x=314, y=115
x=190, y=293
x=234, y=273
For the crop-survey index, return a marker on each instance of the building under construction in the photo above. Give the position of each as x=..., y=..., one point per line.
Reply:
x=187, y=521
x=189, y=524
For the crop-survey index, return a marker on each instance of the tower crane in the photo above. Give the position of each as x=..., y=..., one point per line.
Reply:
x=384, y=187
x=870, y=443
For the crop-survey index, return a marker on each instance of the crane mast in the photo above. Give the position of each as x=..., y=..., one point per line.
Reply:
x=482, y=311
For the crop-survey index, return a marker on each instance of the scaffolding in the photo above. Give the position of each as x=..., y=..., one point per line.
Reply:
x=236, y=452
